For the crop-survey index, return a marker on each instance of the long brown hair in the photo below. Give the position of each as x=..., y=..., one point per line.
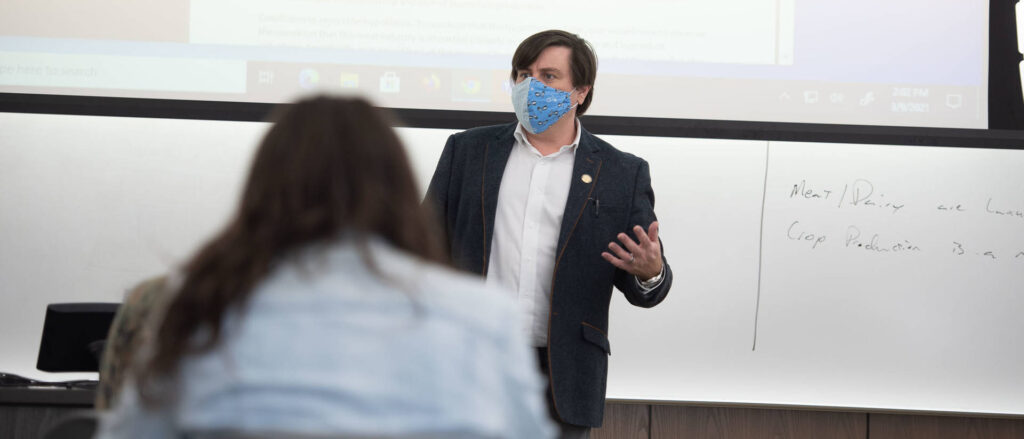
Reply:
x=329, y=168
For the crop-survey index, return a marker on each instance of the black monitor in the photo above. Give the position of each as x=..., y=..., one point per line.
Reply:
x=74, y=335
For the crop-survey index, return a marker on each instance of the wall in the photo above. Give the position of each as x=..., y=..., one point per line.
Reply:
x=89, y=205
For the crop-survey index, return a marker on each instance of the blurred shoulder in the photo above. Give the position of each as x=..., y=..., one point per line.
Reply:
x=467, y=296
x=147, y=292
x=440, y=285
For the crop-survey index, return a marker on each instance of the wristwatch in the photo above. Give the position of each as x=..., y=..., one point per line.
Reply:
x=653, y=282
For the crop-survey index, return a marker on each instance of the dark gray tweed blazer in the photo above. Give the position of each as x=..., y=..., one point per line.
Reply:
x=464, y=190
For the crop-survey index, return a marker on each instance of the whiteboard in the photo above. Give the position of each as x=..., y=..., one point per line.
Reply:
x=89, y=205
x=890, y=277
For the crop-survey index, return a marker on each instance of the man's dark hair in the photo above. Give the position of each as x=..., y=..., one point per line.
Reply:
x=582, y=61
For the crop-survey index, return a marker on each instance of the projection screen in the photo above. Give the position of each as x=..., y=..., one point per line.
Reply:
x=870, y=62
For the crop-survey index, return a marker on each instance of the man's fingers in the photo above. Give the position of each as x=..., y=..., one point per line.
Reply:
x=653, y=232
x=618, y=263
x=629, y=243
x=619, y=252
x=641, y=236
x=640, y=256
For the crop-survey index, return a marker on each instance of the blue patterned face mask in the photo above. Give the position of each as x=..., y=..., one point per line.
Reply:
x=538, y=106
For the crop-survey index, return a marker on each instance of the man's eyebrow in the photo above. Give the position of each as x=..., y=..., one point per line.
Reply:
x=541, y=70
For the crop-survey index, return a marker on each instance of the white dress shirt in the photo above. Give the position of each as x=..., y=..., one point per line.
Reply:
x=531, y=202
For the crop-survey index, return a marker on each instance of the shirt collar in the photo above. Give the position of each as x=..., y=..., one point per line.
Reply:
x=520, y=135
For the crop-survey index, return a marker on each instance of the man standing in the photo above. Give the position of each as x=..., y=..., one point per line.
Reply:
x=543, y=207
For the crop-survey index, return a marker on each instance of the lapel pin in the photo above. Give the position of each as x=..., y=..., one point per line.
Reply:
x=586, y=178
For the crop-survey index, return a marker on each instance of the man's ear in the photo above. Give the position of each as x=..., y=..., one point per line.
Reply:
x=582, y=91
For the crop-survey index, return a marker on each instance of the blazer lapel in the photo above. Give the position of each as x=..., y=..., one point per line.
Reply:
x=585, y=172
x=496, y=154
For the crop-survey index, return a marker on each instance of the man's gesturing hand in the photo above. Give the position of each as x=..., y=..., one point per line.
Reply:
x=640, y=258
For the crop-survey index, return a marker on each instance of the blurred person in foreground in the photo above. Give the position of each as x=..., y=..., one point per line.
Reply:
x=128, y=332
x=325, y=309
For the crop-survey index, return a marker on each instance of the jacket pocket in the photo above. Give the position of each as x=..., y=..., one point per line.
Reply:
x=597, y=337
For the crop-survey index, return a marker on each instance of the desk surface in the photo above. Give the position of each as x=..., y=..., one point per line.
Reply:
x=47, y=396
